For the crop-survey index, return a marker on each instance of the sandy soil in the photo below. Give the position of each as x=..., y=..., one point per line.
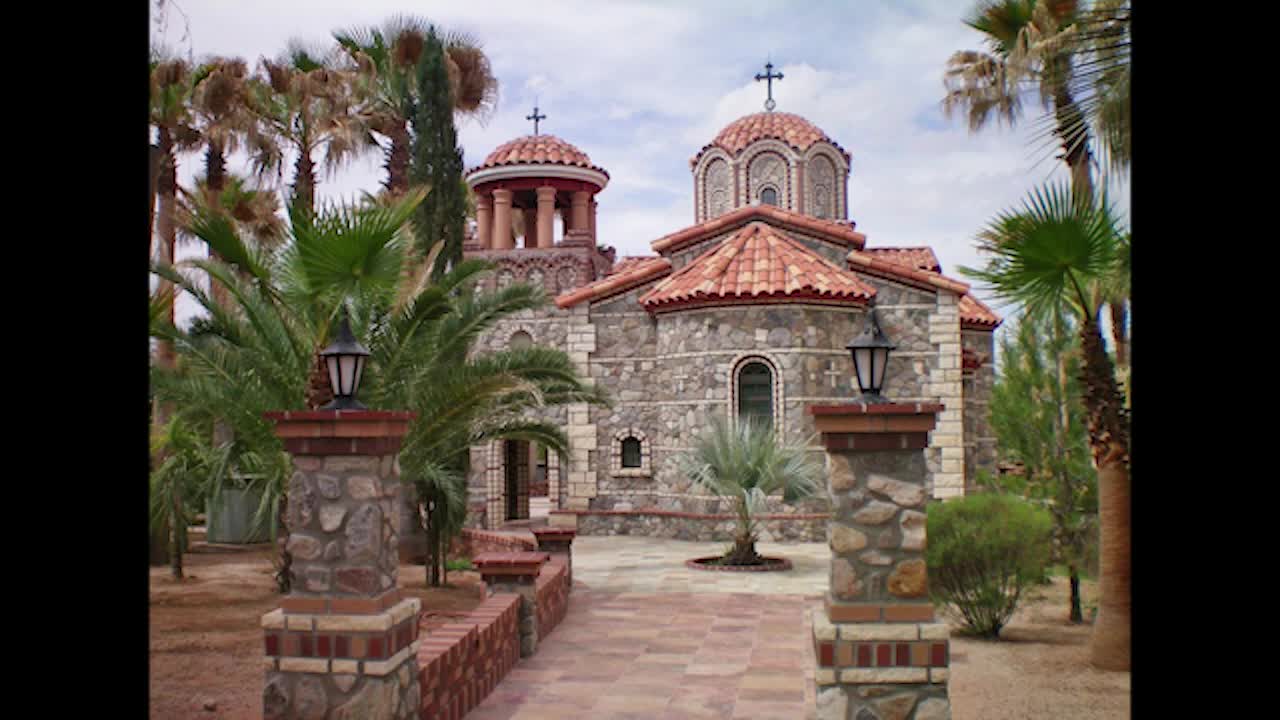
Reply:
x=206, y=636
x=1039, y=669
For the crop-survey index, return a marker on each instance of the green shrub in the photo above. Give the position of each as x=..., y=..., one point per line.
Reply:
x=459, y=564
x=983, y=551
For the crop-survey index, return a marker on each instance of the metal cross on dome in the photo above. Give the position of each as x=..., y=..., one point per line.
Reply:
x=535, y=117
x=769, y=76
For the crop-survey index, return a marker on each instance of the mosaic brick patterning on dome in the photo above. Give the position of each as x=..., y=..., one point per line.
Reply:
x=537, y=150
x=791, y=129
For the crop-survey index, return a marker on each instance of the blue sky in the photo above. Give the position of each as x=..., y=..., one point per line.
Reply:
x=642, y=86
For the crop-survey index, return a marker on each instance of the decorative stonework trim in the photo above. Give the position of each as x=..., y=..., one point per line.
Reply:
x=341, y=605
x=779, y=396
x=615, y=454
x=857, y=408
x=839, y=612
x=346, y=645
x=698, y=516
x=845, y=653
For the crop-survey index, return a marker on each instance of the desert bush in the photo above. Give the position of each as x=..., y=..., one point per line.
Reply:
x=984, y=550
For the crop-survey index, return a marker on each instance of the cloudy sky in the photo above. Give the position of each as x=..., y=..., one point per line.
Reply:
x=642, y=86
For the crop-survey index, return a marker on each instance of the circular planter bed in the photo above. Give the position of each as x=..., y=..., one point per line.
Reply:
x=770, y=564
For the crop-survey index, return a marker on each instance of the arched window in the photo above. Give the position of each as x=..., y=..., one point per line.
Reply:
x=631, y=453
x=755, y=393
x=768, y=196
x=520, y=340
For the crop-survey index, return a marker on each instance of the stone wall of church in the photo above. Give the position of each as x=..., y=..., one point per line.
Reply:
x=979, y=437
x=670, y=375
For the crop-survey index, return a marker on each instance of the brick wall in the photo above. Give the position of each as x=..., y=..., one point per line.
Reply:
x=553, y=595
x=472, y=542
x=462, y=662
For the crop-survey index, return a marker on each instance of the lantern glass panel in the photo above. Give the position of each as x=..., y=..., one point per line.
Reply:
x=359, y=372
x=331, y=361
x=862, y=363
x=347, y=373
x=881, y=361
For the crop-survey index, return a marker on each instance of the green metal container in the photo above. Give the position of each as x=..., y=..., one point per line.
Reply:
x=231, y=517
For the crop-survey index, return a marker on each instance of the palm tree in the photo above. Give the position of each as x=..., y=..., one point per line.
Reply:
x=1053, y=253
x=239, y=364
x=385, y=62
x=745, y=464
x=991, y=84
x=305, y=103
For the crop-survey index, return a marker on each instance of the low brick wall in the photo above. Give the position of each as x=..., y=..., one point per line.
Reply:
x=472, y=542
x=462, y=662
x=553, y=595
x=703, y=527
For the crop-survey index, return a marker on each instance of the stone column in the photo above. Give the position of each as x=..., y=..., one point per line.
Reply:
x=880, y=653
x=557, y=541
x=546, y=216
x=516, y=572
x=484, y=220
x=581, y=210
x=344, y=640
x=530, y=228
x=502, y=239
x=591, y=223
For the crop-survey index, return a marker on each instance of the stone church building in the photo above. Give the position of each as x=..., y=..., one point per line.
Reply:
x=744, y=312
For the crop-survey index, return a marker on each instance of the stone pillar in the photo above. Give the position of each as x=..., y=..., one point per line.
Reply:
x=484, y=220
x=591, y=221
x=502, y=239
x=880, y=653
x=516, y=572
x=581, y=210
x=558, y=541
x=344, y=640
x=546, y=216
x=530, y=228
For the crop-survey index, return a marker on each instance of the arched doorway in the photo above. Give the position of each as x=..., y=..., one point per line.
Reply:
x=525, y=475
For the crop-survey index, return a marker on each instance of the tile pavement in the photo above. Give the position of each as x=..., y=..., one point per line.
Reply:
x=646, y=637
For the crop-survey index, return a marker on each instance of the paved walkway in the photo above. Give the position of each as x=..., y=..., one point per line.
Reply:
x=646, y=637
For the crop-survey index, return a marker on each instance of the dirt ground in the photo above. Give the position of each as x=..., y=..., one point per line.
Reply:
x=206, y=632
x=206, y=646
x=1039, y=669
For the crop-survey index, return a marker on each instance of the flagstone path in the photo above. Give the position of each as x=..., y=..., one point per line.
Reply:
x=648, y=638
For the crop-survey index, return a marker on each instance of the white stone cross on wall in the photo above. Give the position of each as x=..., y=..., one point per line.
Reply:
x=832, y=373
x=680, y=377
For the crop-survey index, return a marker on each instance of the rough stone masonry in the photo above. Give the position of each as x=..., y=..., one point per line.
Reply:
x=880, y=655
x=344, y=642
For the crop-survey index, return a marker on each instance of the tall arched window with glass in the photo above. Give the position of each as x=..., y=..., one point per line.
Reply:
x=755, y=394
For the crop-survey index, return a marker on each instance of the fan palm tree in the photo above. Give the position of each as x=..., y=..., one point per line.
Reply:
x=745, y=464
x=1053, y=253
x=990, y=85
x=239, y=364
x=303, y=104
x=385, y=61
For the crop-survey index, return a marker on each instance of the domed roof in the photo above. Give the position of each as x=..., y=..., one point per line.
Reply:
x=791, y=129
x=537, y=150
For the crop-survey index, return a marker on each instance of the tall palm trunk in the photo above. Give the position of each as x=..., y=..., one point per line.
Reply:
x=1074, y=137
x=1109, y=439
x=304, y=179
x=166, y=190
x=215, y=167
x=1119, y=331
x=398, y=159
x=156, y=158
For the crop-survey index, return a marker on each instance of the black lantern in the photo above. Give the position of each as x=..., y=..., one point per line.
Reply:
x=870, y=352
x=345, y=361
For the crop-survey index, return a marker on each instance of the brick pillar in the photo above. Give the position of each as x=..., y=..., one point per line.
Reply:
x=546, y=216
x=558, y=541
x=591, y=218
x=484, y=220
x=344, y=640
x=517, y=573
x=879, y=650
x=581, y=210
x=502, y=239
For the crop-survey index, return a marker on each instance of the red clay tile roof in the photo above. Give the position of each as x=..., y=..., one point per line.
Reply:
x=976, y=316
x=625, y=276
x=791, y=129
x=841, y=233
x=626, y=262
x=870, y=263
x=537, y=150
x=759, y=263
x=916, y=257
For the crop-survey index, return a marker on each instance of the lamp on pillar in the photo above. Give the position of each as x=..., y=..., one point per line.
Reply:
x=345, y=360
x=870, y=352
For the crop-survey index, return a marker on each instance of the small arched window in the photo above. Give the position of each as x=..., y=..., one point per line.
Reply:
x=520, y=340
x=755, y=393
x=768, y=196
x=631, y=453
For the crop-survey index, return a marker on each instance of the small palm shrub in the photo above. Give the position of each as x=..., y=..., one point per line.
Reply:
x=746, y=463
x=984, y=550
